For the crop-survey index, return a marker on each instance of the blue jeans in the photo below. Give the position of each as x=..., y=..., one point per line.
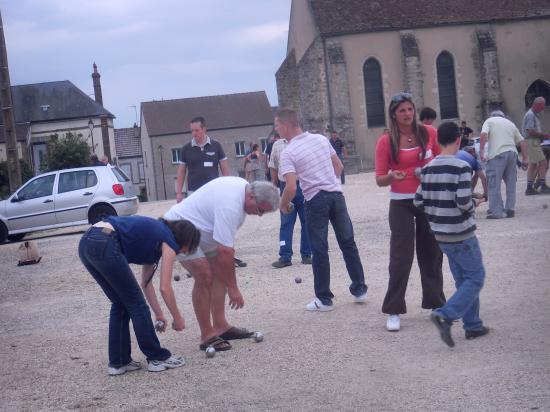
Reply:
x=101, y=254
x=467, y=268
x=322, y=208
x=287, y=227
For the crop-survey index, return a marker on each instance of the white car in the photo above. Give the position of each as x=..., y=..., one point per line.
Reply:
x=67, y=197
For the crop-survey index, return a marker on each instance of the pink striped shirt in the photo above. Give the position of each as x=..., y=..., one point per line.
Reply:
x=309, y=157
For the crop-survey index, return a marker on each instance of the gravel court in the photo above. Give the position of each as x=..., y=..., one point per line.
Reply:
x=53, y=329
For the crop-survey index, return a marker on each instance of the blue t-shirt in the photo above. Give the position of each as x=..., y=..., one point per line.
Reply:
x=141, y=238
x=468, y=158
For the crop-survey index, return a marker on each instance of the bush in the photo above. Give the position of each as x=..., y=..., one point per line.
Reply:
x=26, y=174
x=66, y=153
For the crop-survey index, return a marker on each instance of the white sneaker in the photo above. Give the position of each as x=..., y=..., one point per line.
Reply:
x=393, y=324
x=129, y=367
x=317, y=306
x=170, y=363
x=361, y=298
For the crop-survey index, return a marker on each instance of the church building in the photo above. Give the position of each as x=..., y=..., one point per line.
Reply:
x=464, y=58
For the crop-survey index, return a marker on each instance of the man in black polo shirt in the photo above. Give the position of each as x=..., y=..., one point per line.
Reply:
x=202, y=159
x=341, y=151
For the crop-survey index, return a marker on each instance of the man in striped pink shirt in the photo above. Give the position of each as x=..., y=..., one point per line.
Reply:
x=311, y=159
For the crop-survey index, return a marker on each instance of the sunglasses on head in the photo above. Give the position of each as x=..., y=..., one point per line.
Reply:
x=398, y=98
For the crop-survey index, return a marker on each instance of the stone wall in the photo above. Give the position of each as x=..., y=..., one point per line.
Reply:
x=491, y=97
x=413, y=78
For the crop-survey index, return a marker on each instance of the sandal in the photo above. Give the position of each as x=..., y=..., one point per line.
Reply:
x=217, y=343
x=236, y=333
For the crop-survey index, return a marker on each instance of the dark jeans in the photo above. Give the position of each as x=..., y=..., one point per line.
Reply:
x=403, y=217
x=343, y=175
x=287, y=227
x=322, y=208
x=101, y=255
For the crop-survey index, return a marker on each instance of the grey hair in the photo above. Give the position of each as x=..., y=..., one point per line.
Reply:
x=265, y=192
x=539, y=100
x=497, y=113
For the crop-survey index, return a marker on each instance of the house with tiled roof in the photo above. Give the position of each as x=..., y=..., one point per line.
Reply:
x=56, y=108
x=346, y=59
x=129, y=155
x=235, y=120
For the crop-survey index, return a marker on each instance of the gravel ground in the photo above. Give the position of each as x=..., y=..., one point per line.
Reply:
x=53, y=328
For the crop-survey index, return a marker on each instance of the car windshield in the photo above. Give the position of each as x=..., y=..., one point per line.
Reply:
x=120, y=175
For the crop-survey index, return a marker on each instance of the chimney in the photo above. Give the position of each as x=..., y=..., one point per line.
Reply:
x=97, y=86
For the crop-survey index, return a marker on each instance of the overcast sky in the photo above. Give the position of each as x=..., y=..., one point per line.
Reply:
x=148, y=49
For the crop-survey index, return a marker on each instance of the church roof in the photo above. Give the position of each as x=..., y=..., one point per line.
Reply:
x=128, y=142
x=229, y=111
x=357, y=16
x=61, y=100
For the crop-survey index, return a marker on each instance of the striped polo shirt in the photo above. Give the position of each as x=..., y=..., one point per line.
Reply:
x=309, y=157
x=445, y=195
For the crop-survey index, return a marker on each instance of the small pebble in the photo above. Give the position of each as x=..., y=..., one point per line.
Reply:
x=298, y=279
x=177, y=278
x=545, y=206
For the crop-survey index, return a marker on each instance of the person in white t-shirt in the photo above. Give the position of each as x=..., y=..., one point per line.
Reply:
x=218, y=209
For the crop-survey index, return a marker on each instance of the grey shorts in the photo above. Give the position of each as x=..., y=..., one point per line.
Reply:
x=207, y=248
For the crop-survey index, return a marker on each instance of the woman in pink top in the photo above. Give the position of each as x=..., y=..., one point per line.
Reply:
x=407, y=147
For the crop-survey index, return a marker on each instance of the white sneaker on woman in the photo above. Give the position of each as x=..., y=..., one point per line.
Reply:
x=129, y=367
x=393, y=324
x=170, y=363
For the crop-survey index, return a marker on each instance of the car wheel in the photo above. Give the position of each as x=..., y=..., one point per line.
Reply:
x=17, y=237
x=3, y=233
x=100, y=212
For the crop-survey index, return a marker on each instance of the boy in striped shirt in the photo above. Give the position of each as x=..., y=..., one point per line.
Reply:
x=445, y=195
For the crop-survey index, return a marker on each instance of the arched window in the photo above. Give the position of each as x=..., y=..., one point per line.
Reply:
x=374, y=93
x=539, y=88
x=447, y=86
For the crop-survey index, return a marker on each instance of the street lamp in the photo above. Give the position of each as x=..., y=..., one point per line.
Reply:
x=162, y=169
x=91, y=127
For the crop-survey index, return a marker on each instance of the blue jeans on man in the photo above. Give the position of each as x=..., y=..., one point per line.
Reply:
x=466, y=265
x=323, y=208
x=102, y=256
x=287, y=227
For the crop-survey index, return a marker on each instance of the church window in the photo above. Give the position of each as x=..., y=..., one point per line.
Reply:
x=374, y=93
x=447, y=86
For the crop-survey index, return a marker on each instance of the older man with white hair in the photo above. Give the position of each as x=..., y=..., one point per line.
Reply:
x=503, y=137
x=218, y=209
x=538, y=165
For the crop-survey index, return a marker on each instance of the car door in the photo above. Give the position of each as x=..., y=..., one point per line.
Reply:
x=75, y=191
x=32, y=206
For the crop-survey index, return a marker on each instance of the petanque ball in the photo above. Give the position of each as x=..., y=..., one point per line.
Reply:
x=298, y=279
x=159, y=325
x=258, y=337
x=210, y=352
x=545, y=206
x=177, y=278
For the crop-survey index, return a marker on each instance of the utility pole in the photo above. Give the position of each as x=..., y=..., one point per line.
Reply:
x=14, y=169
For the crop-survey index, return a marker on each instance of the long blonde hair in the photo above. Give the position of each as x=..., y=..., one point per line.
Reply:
x=419, y=130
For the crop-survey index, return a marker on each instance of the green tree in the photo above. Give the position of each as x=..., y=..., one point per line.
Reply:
x=26, y=174
x=66, y=153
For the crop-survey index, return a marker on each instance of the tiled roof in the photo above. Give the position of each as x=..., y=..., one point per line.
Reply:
x=356, y=16
x=128, y=142
x=60, y=100
x=221, y=112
